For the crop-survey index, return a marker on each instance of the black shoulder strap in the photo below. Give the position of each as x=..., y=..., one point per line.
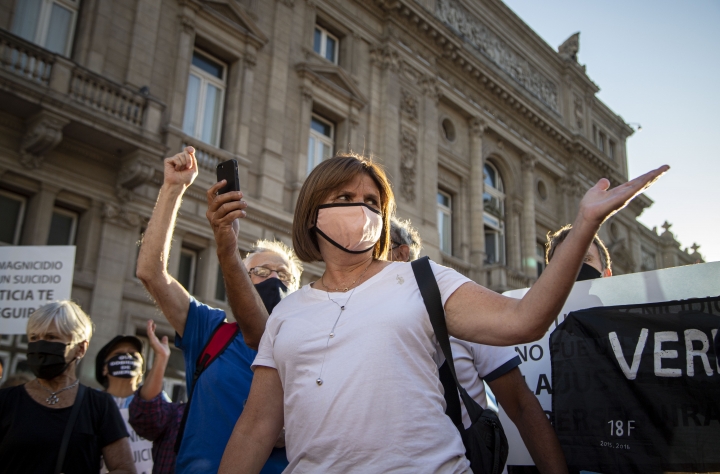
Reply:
x=433, y=303
x=220, y=340
x=69, y=428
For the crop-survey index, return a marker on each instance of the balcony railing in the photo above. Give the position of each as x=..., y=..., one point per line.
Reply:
x=25, y=59
x=460, y=266
x=36, y=65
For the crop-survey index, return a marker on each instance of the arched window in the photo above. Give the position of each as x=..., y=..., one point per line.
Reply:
x=494, y=215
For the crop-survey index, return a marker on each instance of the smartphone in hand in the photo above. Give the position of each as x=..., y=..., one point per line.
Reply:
x=228, y=170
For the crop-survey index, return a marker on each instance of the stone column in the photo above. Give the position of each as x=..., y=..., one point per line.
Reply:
x=303, y=135
x=477, y=188
x=513, y=241
x=119, y=232
x=528, y=241
x=428, y=150
x=207, y=267
x=271, y=183
x=185, y=46
x=88, y=237
x=39, y=215
x=142, y=47
x=246, y=99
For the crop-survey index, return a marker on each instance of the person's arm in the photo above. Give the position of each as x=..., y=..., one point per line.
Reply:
x=258, y=427
x=153, y=384
x=525, y=411
x=174, y=301
x=118, y=457
x=508, y=321
x=245, y=303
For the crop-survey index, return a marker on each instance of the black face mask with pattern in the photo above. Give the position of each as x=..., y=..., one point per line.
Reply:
x=588, y=273
x=46, y=359
x=271, y=291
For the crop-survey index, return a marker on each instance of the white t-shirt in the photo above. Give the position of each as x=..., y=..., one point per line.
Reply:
x=380, y=407
x=475, y=363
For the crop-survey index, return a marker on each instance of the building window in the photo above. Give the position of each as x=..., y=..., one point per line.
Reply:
x=444, y=212
x=48, y=23
x=320, y=146
x=601, y=141
x=186, y=272
x=448, y=130
x=12, y=211
x=205, y=98
x=494, y=215
x=326, y=44
x=220, y=294
x=62, y=227
x=611, y=149
x=540, y=258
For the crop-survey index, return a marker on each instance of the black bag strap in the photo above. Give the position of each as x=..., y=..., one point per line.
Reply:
x=433, y=303
x=220, y=340
x=69, y=428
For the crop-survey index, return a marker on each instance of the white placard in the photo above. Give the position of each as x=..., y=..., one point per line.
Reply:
x=679, y=283
x=140, y=447
x=31, y=277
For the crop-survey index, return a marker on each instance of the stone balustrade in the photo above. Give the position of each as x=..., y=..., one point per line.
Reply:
x=107, y=97
x=25, y=59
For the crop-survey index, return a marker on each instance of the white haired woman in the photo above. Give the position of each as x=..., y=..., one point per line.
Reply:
x=35, y=417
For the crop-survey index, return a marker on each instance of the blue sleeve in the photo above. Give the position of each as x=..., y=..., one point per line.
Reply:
x=202, y=320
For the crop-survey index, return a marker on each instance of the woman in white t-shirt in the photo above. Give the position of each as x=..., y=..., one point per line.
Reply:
x=349, y=363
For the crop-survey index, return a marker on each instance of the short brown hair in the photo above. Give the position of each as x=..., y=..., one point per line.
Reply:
x=556, y=238
x=324, y=179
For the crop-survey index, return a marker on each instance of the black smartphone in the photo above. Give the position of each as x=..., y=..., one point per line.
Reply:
x=228, y=170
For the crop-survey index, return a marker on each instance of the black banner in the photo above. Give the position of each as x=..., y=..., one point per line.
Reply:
x=637, y=388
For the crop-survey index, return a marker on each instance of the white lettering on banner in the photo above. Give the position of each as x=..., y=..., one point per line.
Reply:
x=660, y=354
x=680, y=283
x=697, y=335
x=717, y=356
x=630, y=372
x=31, y=276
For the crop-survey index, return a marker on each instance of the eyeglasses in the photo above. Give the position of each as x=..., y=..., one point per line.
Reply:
x=264, y=272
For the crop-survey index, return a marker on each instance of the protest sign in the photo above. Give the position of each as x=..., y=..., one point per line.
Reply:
x=29, y=278
x=693, y=281
x=635, y=388
x=140, y=447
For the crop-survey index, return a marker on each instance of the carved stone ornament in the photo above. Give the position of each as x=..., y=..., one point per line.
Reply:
x=528, y=162
x=498, y=51
x=408, y=159
x=430, y=87
x=135, y=170
x=43, y=133
x=409, y=105
x=477, y=127
x=578, y=111
x=117, y=215
x=385, y=57
x=570, y=48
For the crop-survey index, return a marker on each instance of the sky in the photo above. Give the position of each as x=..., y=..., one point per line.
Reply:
x=657, y=63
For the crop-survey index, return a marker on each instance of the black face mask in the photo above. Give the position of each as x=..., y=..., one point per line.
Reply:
x=588, y=273
x=124, y=366
x=271, y=291
x=47, y=359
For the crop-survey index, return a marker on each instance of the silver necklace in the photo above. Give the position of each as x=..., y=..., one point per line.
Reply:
x=53, y=398
x=319, y=380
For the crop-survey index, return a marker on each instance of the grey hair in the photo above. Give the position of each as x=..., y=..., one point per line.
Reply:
x=403, y=233
x=70, y=320
x=279, y=248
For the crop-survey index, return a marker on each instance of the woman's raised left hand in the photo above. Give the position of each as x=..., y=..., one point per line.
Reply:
x=601, y=202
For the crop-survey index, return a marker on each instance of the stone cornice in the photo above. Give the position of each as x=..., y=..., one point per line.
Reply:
x=455, y=51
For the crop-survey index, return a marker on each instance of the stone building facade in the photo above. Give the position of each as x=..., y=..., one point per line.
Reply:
x=490, y=136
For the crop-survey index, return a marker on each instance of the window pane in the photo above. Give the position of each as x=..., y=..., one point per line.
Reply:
x=191, y=105
x=57, y=36
x=311, y=154
x=322, y=127
x=489, y=177
x=331, y=44
x=25, y=21
x=220, y=286
x=208, y=65
x=444, y=226
x=491, y=248
x=61, y=229
x=186, y=269
x=326, y=152
x=317, y=41
x=211, y=115
x=10, y=218
x=443, y=199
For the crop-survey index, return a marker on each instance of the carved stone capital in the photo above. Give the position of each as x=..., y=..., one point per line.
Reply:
x=408, y=160
x=430, y=87
x=528, y=162
x=477, y=127
x=187, y=23
x=306, y=93
x=384, y=57
x=43, y=132
x=117, y=215
x=250, y=60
